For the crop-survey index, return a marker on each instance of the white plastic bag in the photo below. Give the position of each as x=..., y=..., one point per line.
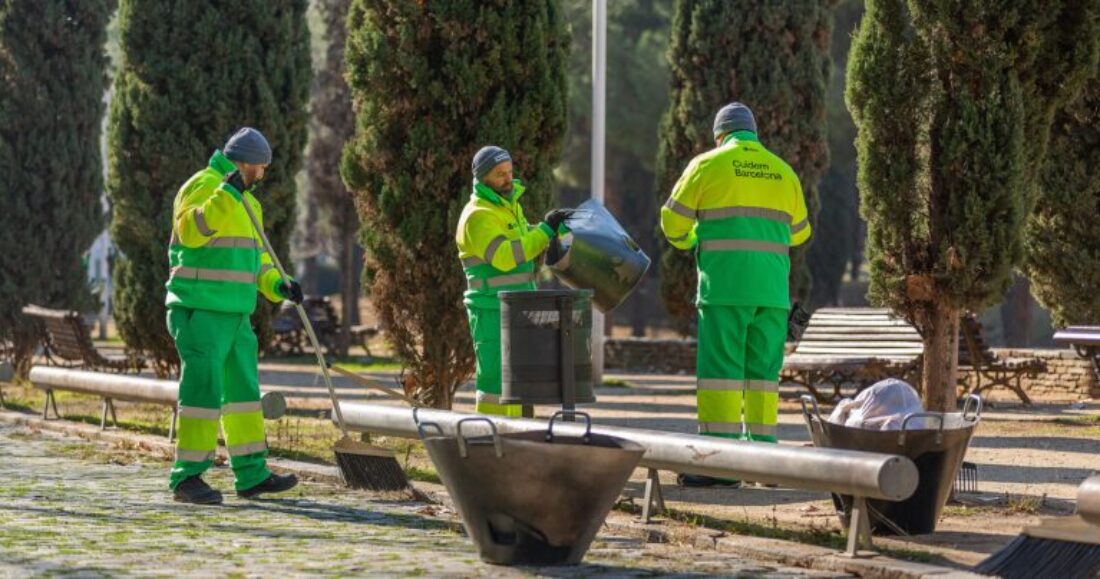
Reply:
x=883, y=406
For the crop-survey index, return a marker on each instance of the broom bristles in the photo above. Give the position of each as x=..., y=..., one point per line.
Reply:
x=363, y=466
x=1027, y=557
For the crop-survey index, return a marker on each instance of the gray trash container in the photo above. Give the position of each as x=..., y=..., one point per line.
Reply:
x=597, y=254
x=938, y=453
x=542, y=360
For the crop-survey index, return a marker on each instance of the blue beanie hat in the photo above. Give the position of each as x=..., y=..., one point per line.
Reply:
x=248, y=146
x=734, y=117
x=486, y=158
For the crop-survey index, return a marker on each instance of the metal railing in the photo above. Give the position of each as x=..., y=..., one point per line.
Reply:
x=126, y=388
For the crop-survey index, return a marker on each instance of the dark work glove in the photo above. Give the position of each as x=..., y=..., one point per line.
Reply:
x=556, y=216
x=291, y=290
x=797, y=320
x=236, y=180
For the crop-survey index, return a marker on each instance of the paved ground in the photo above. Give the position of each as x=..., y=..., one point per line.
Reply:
x=73, y=508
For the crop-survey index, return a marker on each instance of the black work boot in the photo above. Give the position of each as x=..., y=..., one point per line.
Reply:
x=195, y=491
x=272, y=484
x=698, y=480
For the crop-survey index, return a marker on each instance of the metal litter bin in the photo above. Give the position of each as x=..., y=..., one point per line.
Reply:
x=546, y=347
x=597, y=254
x=937, y=452
x=531, y=498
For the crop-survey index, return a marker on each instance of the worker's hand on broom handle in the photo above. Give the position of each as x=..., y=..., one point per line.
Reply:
x=301, y=315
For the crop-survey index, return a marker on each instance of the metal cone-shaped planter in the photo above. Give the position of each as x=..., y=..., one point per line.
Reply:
x=531, y=498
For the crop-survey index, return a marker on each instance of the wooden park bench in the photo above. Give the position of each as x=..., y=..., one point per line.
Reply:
x=290, y=336
x=1085, y=340
x=66, y=342
x=853, y=346
x=988, y=370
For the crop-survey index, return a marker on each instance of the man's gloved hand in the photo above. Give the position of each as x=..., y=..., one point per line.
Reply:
x=291, y=290
x=556, y=216
x=237, y=181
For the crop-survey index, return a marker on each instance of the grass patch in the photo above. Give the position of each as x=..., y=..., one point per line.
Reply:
x=1089, y=420
x=423, y=474
x=616, y=383
x=353, y=363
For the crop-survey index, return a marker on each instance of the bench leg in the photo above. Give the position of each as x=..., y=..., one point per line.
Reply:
x=108, y=404
x=50, y=400
x=654, y=498
x=859, y=529
x=172, y=424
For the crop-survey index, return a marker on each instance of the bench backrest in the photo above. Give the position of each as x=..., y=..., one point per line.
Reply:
x=859, y=333
x=67, y=337
x=973, y=350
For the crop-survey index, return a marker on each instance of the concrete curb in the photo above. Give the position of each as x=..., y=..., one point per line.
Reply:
x=786, y=553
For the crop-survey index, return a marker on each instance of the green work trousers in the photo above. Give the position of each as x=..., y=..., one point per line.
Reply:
x=739, y=359
x=218, y=382
x=485, y=330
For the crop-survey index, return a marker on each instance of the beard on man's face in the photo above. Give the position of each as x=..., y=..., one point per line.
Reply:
x=504, y=189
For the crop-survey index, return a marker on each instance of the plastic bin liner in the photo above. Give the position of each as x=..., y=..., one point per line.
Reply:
x=883, y=406
x=597, y=254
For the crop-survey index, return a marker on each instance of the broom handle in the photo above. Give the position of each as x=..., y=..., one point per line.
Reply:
x=301, y=314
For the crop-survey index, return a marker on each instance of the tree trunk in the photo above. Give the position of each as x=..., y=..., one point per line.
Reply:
x=349, y=290
x=941, y=357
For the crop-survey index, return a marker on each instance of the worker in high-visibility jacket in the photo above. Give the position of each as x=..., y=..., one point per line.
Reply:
x=217, y=264
x=740, y=208
x=498, y=249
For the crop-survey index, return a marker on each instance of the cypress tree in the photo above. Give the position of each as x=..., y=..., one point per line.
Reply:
x=192, y=73
x=1063, y=242
x=52, y=79
x=333, y=124
x=774, y=57
x=432, y=83
x=953, y=101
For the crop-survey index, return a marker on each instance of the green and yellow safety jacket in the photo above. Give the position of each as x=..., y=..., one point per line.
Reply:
x=216, y=257
x=741, y=207
x=497, y=246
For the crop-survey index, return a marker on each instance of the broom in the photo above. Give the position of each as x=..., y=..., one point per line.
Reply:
x=1067, y=548
x=362, y=466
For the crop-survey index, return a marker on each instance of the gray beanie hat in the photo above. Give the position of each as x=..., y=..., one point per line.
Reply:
x=734, y=117
x=248, y=146
x=486, y=158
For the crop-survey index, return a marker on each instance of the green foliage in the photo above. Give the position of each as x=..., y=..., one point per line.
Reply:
x=1063, y=241
x=772, y=56
x=432, y=83
x=192, y=73
x=953, y=101
x=52, y=79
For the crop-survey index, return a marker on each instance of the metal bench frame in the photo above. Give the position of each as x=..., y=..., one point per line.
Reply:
x=988, y=369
